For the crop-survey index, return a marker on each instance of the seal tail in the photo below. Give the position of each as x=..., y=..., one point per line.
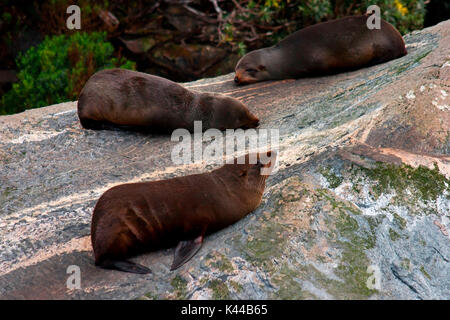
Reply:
x=126, y=266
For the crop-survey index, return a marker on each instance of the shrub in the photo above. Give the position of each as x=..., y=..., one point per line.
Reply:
x=56, y=70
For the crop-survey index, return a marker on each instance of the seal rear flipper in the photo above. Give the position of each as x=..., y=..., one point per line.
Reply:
x=185, y=251
x=126, y=266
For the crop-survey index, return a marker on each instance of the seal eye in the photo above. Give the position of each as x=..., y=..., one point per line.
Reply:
x=251, y=70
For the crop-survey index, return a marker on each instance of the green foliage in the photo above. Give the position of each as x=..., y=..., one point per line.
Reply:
x=315, y=9
x=242, y=49
x=56, y=70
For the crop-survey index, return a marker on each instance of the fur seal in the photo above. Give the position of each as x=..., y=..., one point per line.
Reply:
x=325, y=48
x=138, y=101
x=133, y=218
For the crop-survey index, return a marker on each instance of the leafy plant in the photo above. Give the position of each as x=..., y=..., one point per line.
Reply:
x=56, y=70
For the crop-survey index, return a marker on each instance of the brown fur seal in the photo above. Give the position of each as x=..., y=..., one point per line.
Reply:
x=134, y=218
x=139, y=101
x=325, y=48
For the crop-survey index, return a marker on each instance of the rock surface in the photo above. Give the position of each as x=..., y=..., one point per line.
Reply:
x=363, y=185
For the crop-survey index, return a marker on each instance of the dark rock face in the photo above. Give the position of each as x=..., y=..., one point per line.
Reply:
x=361, y=194
x=436, y=11
x=180, y=61
x=159, y=46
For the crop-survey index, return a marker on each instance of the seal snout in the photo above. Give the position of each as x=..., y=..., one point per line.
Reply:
x=243, y=78
x=252, y=123
x=254, y=120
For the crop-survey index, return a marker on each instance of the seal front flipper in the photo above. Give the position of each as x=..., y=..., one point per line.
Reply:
x=126, y=266
x=185, y=251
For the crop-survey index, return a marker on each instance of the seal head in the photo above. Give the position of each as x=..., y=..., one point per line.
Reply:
x=228, y=113
x=253, y=67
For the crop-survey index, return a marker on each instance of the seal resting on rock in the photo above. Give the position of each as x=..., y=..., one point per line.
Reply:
x=138, y=101
x=133, y=218
x=325, y=48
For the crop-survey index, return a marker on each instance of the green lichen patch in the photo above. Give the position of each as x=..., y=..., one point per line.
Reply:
x=339, y=205
x=393, y=235
x=422, y=182
x=352, y=112
x=421, y=56
x=292, y=191
x=5, y=194
x=356, y=181
x=219, y=289
x=406, y=264
x=425, y=273
x=399, y=221
x=8, y=191
x=180, y=287
x=352, y=238
x=203, y=281
x=267, y=240
x=353, y=270
x=333, y=180
x=375, y=221
x=265, y=244
x=151, y=296
x=354, y=262
x=219, y=261
x=353, y=280
x=398, y=69
x=346, y=224
x=237, y=287
x=312, y=227
x=289, y=287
